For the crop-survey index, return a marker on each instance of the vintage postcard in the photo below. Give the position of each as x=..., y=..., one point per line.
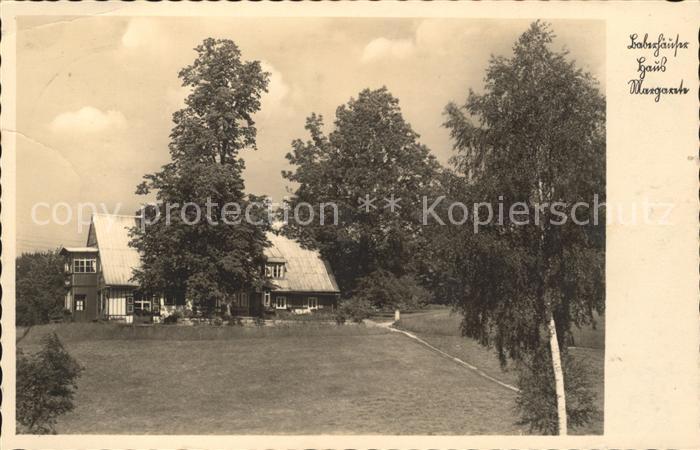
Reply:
x=350, y=225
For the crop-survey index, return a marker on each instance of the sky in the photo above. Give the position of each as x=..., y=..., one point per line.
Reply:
x=95, y=95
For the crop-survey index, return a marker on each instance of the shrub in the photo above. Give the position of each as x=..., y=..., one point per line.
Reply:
x=385, y=291
x=537, y=400
x=356, y=309
x=235, y=321
x=283, y=314
x=340, y=318
x=46, y=384
x=61, y=315
x=142, y=317
x=324, y=315
x=172, y=318
x=318, y=315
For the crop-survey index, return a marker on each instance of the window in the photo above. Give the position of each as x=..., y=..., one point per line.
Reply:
x=142, y=304
x=274, y=271
x=240, y=299
x=312, y=302
x=174, y=299
x=84, y=265
x=266, y=298
x=80, y=302
x=129, y=303
x=281, y=302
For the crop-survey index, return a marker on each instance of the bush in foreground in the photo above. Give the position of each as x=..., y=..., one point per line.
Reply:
x=46, y=384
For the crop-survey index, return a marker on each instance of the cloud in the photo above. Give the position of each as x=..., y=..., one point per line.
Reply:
x=381, y=48
x=278, y=89
x=87, y=120
x=274, y=101
x=431, y=36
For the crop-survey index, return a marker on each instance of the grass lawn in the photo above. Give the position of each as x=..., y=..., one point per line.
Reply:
x=441, y=329
x=333, y=380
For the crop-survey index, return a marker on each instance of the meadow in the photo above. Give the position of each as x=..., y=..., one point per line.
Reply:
x=324, y=379
x=441, y=328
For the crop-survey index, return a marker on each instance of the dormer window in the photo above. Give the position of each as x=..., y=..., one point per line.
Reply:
x=274, y=271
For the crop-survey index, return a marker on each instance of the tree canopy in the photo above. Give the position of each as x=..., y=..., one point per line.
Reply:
x=205, y=251
x=372, y=155
x=40, y=287
x=534, y=137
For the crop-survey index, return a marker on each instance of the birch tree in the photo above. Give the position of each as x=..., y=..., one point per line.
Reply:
x=533, y=140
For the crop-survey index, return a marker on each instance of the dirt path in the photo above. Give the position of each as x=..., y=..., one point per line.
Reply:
x=388, y=325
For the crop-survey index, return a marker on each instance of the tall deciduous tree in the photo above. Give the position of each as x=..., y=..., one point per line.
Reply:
x=535, y=135
x=40, y=287
x=371, y=157
x=206, y=252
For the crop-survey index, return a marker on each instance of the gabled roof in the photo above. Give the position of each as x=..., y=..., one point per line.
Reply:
x=118, y=259
x=305, y=270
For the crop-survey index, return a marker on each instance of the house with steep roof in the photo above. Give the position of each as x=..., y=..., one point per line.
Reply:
x=101, y=285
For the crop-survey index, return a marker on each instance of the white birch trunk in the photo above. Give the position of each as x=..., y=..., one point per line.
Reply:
x=558, y=375
x=553, y=342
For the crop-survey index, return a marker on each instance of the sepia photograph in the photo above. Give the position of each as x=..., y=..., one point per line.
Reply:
x=321, y=225
x=310, y=226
